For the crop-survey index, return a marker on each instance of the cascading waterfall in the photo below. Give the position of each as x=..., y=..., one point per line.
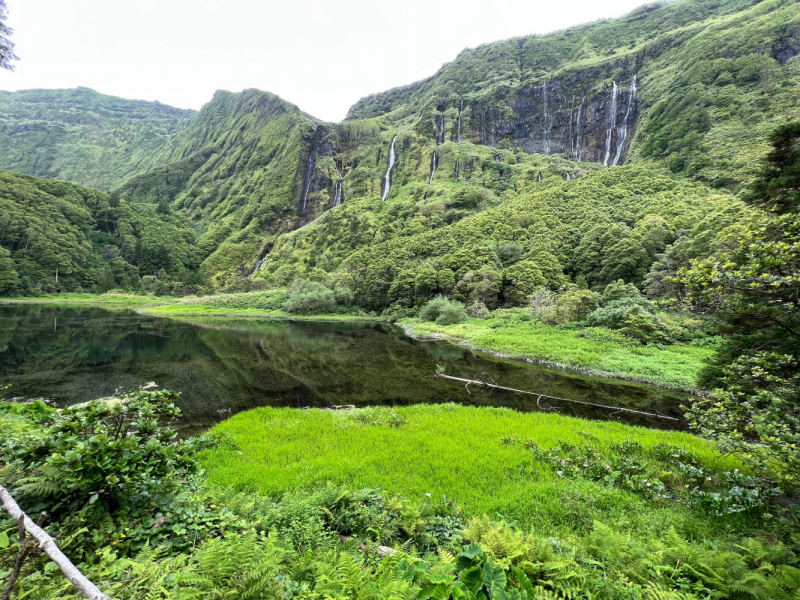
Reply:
x=309, y=173
x=578, y=132
x=571, y=139
x=337, y=194
x=460, y=110
x=539, y=178
x=258, y=266
x=388, y=179
x=440, y=130
x=546, y=126
x=612, y=122
x=433, y=167
x=483, y=127
x=455, y=177
x=622, y=133
x=567, y=177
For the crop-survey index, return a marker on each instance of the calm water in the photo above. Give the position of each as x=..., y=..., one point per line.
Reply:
x=224, y=366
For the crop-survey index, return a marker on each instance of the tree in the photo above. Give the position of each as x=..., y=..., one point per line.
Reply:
x=754, y=290
x=6, y=45
x=777, y=187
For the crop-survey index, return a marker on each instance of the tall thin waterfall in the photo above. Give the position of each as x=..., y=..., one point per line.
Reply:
x=612, y=121
x=433, y=167
x=460, y=110
x=440, y=130
x=388, y=179
x=571, y=139
x=567, y=177
x=455, y=177
x=309, y=172
x=622, y=132
x=483, y=127
x=546, y=126
x=578, y=132
x=539, y=178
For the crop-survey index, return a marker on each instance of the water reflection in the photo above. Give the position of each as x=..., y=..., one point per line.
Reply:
x=223, y=366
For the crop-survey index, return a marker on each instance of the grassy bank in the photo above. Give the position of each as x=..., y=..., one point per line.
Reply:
x=673, y=365
x=477, y=457
x=109, y=298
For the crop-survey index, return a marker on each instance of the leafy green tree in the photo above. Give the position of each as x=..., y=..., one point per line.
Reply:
x=446, y=280
x=520, y=281
x=9, y=278
x=619, y=290
x=425, y=284
x=575, y=304
x=6, y=45
x=754, y=290
x=777, y=187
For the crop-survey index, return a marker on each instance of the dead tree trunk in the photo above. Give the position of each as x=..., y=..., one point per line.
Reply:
x=48, y=545
x=469, y=382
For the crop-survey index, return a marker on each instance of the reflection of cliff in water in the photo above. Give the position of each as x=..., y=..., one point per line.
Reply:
x=223, y=366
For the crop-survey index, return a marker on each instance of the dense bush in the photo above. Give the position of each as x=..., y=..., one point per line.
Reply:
x=443, y=311
x=309, y=297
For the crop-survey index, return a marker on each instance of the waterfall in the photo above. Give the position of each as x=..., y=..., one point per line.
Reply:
x=539, y=178
x=571, y=139
x=578, y=131
x=440, y=130
x=388, y=179
x=309, y=173
x=258, y=266
x=567, y=177
x=460, y=110
x=612, y=122
x=455, y=178
x=337, y=194
x=433, y=167
x=483, y=127
x=546, y=128
x=623, y=129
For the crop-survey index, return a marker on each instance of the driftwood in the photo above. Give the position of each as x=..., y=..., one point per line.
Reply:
x=539, y=396
x=48, y=545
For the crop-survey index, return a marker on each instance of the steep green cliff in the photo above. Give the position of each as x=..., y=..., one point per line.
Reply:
x=83, y=136
x=484, y=153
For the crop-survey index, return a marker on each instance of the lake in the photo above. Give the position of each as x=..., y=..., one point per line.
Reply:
x=221, y=366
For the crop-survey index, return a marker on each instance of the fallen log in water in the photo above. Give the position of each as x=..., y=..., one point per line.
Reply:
x=48, y=545
x=469, y=382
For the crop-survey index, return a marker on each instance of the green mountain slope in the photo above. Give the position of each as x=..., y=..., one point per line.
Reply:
x=683, y=92
x=61, y=237
x=83, y=136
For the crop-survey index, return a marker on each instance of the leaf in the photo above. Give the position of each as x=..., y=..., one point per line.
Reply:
x=441, y=592
x=4, y=540
x=494, y=578
x=472, y=578
x=524, y=582
x=471, y=551
x=93, y=498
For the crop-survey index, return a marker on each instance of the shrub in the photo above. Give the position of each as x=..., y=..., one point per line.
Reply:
x=613, y=315
x=307, y=297
x=618, y=291
x=452, y=314
x=343, y=295
x=443, y=311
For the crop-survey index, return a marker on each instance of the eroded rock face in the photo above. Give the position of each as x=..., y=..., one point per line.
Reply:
x=558, y=117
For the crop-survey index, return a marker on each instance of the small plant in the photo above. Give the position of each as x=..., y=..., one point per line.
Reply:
x=309, y=297
x=443, y=311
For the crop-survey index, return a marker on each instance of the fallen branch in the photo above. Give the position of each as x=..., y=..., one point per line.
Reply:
x=540, y=396
x=48, y=545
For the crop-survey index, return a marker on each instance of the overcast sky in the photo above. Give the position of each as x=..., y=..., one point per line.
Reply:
x=322, y=55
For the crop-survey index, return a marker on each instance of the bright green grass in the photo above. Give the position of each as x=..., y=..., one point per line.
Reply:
x=449, y=450
x=109, y=298
x=675, y=366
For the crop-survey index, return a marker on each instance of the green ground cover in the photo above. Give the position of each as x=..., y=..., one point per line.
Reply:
x=109, y=298
x=477, y=457
x=671, y=365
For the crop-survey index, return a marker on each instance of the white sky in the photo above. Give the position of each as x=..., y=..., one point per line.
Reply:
x=322, y=55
